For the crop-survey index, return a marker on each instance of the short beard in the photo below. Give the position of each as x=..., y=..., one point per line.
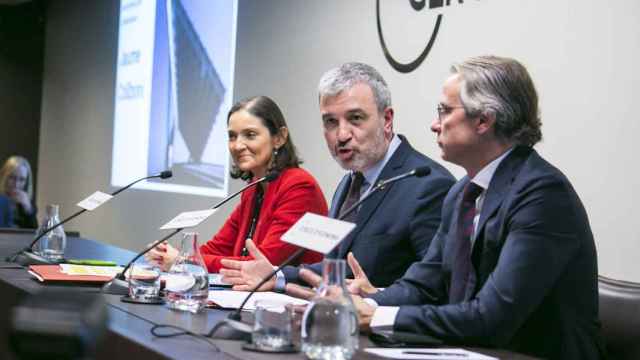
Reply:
x=366, y=159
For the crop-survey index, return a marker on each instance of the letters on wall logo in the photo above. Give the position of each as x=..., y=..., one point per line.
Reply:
x=417, y=5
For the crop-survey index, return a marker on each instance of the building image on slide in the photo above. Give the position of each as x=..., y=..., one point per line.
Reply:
x=178, y=93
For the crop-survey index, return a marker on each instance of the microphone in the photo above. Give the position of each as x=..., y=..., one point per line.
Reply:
x=417, y=172
x=237, y=329
x=119, y=285
x=27, y=257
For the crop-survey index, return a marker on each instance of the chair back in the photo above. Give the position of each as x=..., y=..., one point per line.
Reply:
x=620, y=317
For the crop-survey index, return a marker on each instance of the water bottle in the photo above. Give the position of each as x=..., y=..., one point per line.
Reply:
x=187, y=283
x=330, y=322
x=52, y=245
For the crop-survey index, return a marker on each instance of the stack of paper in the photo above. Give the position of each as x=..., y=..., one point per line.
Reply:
x=71, y=269
x=229, y=299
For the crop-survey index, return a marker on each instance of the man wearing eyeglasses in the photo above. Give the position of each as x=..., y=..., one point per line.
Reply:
x=513, y=264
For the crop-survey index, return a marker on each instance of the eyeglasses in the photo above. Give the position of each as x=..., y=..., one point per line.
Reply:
x=443, y=109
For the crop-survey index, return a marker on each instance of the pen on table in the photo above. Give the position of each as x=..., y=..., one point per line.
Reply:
x=91, y=262
x=418, y=352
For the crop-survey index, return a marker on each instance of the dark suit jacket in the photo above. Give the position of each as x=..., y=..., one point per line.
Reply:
x=395, y=225
x=6, y=212
x=534, y=259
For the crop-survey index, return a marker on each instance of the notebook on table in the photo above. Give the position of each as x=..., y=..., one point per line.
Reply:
x=66, y=273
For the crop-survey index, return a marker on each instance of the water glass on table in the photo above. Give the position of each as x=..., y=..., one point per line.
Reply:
x=144, y=282
x=272, y=326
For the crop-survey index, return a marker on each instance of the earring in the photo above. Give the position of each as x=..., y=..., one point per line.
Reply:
x=272, y=161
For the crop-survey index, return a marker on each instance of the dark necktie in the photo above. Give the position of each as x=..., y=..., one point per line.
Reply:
x=352, y=196
x=462, y=262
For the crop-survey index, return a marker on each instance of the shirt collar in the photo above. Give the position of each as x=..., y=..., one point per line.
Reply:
x=484, y=176
x=372, y=173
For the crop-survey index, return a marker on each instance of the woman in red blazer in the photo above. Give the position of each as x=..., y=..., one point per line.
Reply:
x=259, y=143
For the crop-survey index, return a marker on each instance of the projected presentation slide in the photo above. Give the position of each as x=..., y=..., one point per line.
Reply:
x=174, y=86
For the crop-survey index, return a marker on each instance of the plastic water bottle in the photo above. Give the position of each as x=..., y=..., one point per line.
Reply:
x=52, y=245
x=330, y=322
x=187, y=283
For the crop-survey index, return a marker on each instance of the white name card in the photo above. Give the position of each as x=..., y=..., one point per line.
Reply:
x=318, y=233
x=94, y=200
x=188, y=219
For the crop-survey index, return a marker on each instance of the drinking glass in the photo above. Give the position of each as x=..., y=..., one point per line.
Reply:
x=272, y=326
x=144, y=281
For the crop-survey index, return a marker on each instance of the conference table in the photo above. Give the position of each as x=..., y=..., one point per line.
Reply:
x=129, y=326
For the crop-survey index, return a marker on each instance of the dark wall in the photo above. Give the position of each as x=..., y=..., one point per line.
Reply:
x=21, y=58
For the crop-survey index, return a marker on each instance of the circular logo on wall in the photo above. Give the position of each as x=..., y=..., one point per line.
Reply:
x=417, y=5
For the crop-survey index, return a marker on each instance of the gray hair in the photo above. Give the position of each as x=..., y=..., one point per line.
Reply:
x=501, y=87
x=349, y=74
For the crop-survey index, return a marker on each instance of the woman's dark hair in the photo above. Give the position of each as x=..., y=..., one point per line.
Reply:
x=269, y=113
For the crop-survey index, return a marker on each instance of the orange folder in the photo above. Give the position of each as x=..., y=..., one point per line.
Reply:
x=53, y=273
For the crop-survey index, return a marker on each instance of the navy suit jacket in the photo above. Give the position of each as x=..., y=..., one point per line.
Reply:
x=395, y=225
x=6, y=212
x=534, y=285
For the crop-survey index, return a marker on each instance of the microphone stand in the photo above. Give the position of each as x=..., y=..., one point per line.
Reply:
x=119, y=285
x=26, y=256
x=237, y=330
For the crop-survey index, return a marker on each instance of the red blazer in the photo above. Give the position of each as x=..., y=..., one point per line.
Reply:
x=291, y=195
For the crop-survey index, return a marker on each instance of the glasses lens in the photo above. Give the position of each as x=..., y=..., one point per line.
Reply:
x=440, y=110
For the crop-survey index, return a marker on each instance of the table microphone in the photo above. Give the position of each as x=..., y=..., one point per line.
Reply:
x=27, y=257
x=237, y=330
x=119, y=285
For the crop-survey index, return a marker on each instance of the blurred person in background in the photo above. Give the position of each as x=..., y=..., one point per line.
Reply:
x=16, y=183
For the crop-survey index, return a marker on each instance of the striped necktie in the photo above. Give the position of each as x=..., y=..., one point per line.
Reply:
x=462, y=262
x=352, y=196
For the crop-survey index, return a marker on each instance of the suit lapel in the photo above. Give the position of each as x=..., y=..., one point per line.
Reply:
x=498, y=189
x=500, y=183
x=393, y=167
x=339, y=195
x=336, y=203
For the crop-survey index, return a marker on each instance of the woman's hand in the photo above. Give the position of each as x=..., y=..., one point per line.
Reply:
x=22, y=198
x=162, y=255
x=245, y=275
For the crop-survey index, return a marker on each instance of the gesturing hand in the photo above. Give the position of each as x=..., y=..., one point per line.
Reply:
x=360, y=284
x=245, y=275
x=304, y=292
x=365, y=311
